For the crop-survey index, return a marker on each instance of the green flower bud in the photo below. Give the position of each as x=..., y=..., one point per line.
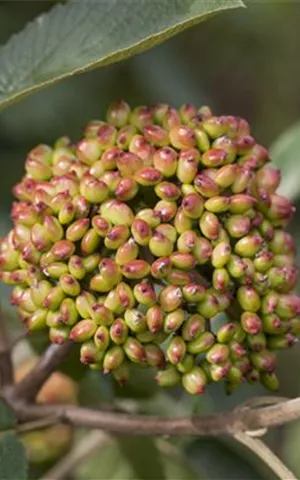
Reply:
x=192, y=205
x=141, y=116
x=168, y=377
x=66, y=213
x=206, y=186
x=248, y=299
x=209, y=225
x=116, y=237
x=155, y=318
x=248, y=246
x=156, y=135
x=68, y=311
x=54, y=298
x=187, y=112
x=37, y=321
x=91, y=262
x=220, y=279
x=218, y=353
x=221, y=254
x=121, y=374
x=144, y=293
x=69, y=285
x=182, y=222
x=226, y=333
x=148, y=176
x=161, y=267
x=89, y=242
x=81, y=206
x=264, y=361
x=154, y=356
x=136, y=269
x=170, y=298
x=294, y=326
x=217, y=204
x=237, y=225
x=165, y=161
x=88, y=150
x=269, y=380
x=257, y=342
x=202, y=139
x=288, y=306
x=76, y=267
x=134, y=350
x=194, y=381
x=52, y=228
x=118, y=331
x=186, y=364
x=225, y=176
x=201, y=344
x=99, y=313
x=135, y=320
x=202, y=250
x=118, y=113
x=39, y=292
x=173, y=321
x=194, y=292
x=187, y=167
x=220, y=371
x=251, y=323
x=209, y=307
x=90, y=354
x=242, y=180
x=77, y=229
x=126, y=189
x=59, y=334
x=182, y=137
x=101, y=338
x=113, y=358
x=54, y=319
x=166, y=210
x=187, y=241
x=83, y=330
x=215, y=157
x=280, y=342
x=176, y=350
x=117, y=212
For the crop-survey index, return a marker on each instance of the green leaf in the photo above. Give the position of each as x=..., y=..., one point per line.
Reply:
x=7, y=417
x=285, y=155
x=13, y=465
x=79, y=36
x=132, y=458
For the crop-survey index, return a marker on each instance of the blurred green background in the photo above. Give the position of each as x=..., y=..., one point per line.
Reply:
x=243, y=62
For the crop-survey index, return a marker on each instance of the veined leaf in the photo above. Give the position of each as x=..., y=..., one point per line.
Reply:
x=79, y=36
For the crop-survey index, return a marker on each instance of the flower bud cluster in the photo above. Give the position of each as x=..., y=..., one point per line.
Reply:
x=134, y=240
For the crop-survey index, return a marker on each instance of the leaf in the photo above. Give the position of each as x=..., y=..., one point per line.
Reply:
x=226, y=460
x=13, y=465
x=132, y=458
x=7, y=417
x=79, y=36
x=285, y=155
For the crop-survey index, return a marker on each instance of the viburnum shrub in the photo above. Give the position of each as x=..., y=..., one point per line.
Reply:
x=157, y=239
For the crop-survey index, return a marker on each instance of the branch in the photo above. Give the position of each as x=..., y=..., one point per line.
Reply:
x=86, y=447
x=6, y=367
x=27, y=389
x=231, y=423
x=261, y=450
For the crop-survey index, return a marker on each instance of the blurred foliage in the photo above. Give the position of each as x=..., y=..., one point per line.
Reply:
x=242, y=62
